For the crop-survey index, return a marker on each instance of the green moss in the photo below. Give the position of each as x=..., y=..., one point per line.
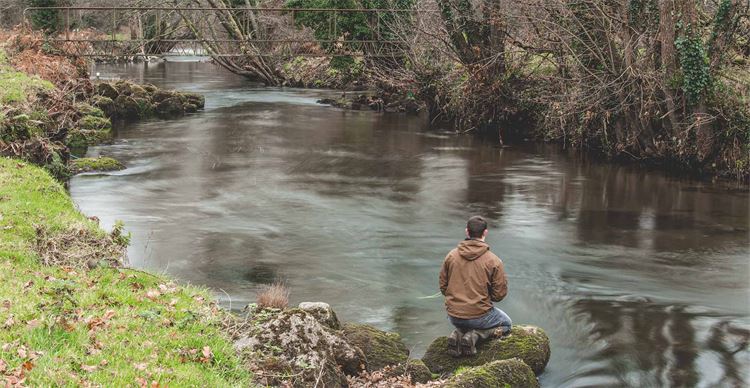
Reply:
x=380, y=348
x=16, y=87
x=94, y=164
x=501, y=373
x=528, y=343
x=90, y=110
x=95, y=123
x=77, y=328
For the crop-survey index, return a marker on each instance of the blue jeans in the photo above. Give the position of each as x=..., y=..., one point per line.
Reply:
x=489, y=320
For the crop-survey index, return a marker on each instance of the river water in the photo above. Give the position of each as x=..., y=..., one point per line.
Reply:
x=640, y=279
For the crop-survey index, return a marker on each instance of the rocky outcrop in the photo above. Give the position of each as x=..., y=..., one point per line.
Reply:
x=130, y=101
x=379, y=347
x=293, y=342
x=528, y=343
x=323, y=313
x=501, y=373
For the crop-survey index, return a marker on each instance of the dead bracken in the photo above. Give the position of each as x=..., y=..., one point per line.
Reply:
x=80, y=247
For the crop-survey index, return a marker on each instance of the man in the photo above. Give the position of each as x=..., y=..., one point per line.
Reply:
x=471, y=279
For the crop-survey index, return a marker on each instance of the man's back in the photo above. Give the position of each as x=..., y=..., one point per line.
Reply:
x=471, y=279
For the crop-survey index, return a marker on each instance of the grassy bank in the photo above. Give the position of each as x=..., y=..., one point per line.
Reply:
x=70, y=325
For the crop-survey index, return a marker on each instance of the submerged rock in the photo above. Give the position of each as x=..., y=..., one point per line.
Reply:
x=527, y=343
x=81, y=165
x=501, y=373
x=380, y=348
x=323, y=313
x=293, y=342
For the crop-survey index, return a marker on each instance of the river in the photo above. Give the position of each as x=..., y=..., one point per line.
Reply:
x=639, y=278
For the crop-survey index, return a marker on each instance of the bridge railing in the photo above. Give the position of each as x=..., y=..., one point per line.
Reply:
x=160, y=31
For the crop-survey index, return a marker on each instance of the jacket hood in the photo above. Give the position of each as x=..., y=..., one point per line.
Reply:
x=472, y=249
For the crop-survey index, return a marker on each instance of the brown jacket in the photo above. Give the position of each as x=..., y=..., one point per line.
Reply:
x=471, y=279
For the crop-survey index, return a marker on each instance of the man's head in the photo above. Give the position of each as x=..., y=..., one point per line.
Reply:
x=476, y=227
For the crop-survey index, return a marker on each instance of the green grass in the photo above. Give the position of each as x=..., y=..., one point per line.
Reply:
x=15, y=86
x=108, y=326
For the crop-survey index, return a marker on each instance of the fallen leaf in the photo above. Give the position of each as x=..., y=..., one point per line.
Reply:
x=6, y=304
x=173, y=302
x=89, y=368
x=33, y=324
x=28, y=284
x=108, y=315
x=104, y=363
x=152, y=294
x=9, y=322
x=3, y=366
x=22, y=353
x=28, y=365
x=140, y=366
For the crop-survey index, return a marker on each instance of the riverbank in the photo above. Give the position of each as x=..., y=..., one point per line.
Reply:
x=83, y=318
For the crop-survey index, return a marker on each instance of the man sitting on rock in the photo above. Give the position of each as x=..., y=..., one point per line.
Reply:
x=471, y=279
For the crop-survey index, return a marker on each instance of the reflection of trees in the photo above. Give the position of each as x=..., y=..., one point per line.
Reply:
x=659, y=340
x=486, y=187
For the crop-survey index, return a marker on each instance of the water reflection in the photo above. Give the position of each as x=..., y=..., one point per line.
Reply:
x=640, y=279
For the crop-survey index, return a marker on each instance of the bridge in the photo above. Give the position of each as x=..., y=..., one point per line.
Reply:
x=131, y=32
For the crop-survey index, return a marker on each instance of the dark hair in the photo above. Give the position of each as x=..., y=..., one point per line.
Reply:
x=476, y=226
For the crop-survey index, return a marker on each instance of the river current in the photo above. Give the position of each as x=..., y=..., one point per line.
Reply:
x=639, y=278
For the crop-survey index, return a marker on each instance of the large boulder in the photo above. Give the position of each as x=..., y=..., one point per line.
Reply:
x=500, y=373
x=528, y=343
x=323, y=313
x=293, y=342
x=380, y=348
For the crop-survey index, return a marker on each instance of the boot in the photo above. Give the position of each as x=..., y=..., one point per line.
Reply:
x=469, y=343
x=454, y=343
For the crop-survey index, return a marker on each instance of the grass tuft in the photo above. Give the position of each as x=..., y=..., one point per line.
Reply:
x=275, y=296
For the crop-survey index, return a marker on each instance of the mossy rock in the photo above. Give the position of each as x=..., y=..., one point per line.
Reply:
x=106, y=104
x=94, y=123
x=145, y=108
x=190, y=108
x=380, y=348
x=150, y=88
x=107, y=90
x=415, y=369
x=81, y=165
x=161, y=95
x=528, y=343
x=500, y=373
x=78, y=140
x=170, y=107
x=127, y=107
x=196, y=99
x=89, y=110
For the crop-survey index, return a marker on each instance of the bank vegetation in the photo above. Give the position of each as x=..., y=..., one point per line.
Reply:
x=650, y=81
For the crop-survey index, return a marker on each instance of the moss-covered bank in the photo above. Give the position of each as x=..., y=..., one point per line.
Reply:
x=66, y=325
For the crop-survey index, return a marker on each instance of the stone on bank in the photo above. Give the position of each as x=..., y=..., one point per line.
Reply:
x=380, y=348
